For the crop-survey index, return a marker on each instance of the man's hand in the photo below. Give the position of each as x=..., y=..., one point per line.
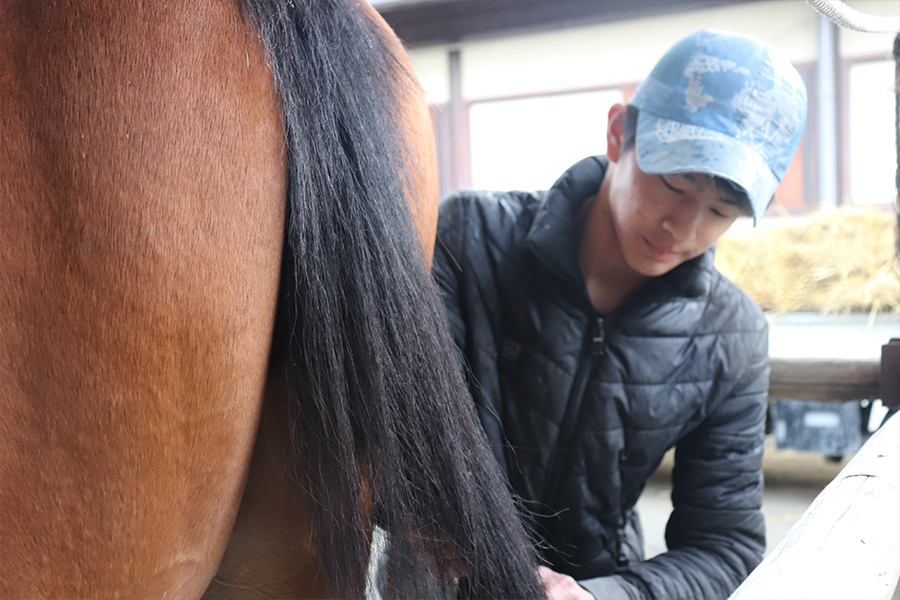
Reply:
x=562, y=587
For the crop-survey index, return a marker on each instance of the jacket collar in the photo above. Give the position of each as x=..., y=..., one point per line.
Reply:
x=554, y=235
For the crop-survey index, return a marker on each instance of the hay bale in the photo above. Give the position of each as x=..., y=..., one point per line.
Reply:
x=835, y=262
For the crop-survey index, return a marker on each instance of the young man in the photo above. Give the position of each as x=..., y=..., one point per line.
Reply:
x=596, y=333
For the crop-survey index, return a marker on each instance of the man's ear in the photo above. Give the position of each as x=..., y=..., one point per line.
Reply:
x=614, y=135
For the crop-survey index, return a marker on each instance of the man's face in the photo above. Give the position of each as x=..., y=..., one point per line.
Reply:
x=663, y=221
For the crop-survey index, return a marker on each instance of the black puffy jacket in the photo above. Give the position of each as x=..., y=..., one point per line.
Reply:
x=580, y=407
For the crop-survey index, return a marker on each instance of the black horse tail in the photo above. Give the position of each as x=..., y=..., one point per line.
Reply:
x=379, y=407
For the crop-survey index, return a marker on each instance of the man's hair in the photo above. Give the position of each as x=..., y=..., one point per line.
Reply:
x=629, y=129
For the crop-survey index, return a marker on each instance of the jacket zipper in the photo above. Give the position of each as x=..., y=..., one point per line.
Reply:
x=593, y=348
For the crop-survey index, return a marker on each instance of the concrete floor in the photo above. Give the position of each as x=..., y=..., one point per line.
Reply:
x=793, y=480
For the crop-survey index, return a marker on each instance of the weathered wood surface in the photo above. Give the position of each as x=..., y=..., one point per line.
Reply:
x=846, y=546
x=825, y=380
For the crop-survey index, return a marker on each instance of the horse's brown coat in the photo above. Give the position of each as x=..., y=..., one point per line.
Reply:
x=142, y=213
x=142, y=183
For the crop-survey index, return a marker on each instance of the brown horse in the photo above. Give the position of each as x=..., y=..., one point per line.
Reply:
x=222, y=357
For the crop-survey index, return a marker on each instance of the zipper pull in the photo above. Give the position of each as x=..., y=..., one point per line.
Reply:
x=598, y=338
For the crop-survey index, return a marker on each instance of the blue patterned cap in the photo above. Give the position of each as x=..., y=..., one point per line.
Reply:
x=725, y=104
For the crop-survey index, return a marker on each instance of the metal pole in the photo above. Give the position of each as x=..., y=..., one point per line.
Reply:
x=897, y=138
x=848, y=18
x=828, y=167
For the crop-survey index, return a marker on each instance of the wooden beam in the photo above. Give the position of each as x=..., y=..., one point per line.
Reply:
x=448, y=21
x=825, y=380
x=847, y=544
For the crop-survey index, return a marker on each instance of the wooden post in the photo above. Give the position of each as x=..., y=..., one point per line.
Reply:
x=890, y=374
x=460, y=158
x=847, y=544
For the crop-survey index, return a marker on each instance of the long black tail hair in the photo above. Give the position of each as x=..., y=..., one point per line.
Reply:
x=379, y=407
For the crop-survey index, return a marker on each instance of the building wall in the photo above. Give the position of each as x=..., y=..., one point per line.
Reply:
x=516, y=110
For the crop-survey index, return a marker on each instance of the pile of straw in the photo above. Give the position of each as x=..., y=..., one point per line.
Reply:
x=836, y=262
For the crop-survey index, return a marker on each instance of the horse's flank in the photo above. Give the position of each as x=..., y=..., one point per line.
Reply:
x=144, y=170
x=142, y=208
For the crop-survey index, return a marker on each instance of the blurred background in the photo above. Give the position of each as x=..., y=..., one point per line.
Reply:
x=520, y=89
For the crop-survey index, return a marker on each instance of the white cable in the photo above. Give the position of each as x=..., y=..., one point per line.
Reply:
x=848, y=18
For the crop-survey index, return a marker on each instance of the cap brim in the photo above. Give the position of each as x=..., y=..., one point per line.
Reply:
x=664, y=147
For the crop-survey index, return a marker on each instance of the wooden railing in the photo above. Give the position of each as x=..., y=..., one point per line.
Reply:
x=839, y=380
x=847, y=544
x=825, y=380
